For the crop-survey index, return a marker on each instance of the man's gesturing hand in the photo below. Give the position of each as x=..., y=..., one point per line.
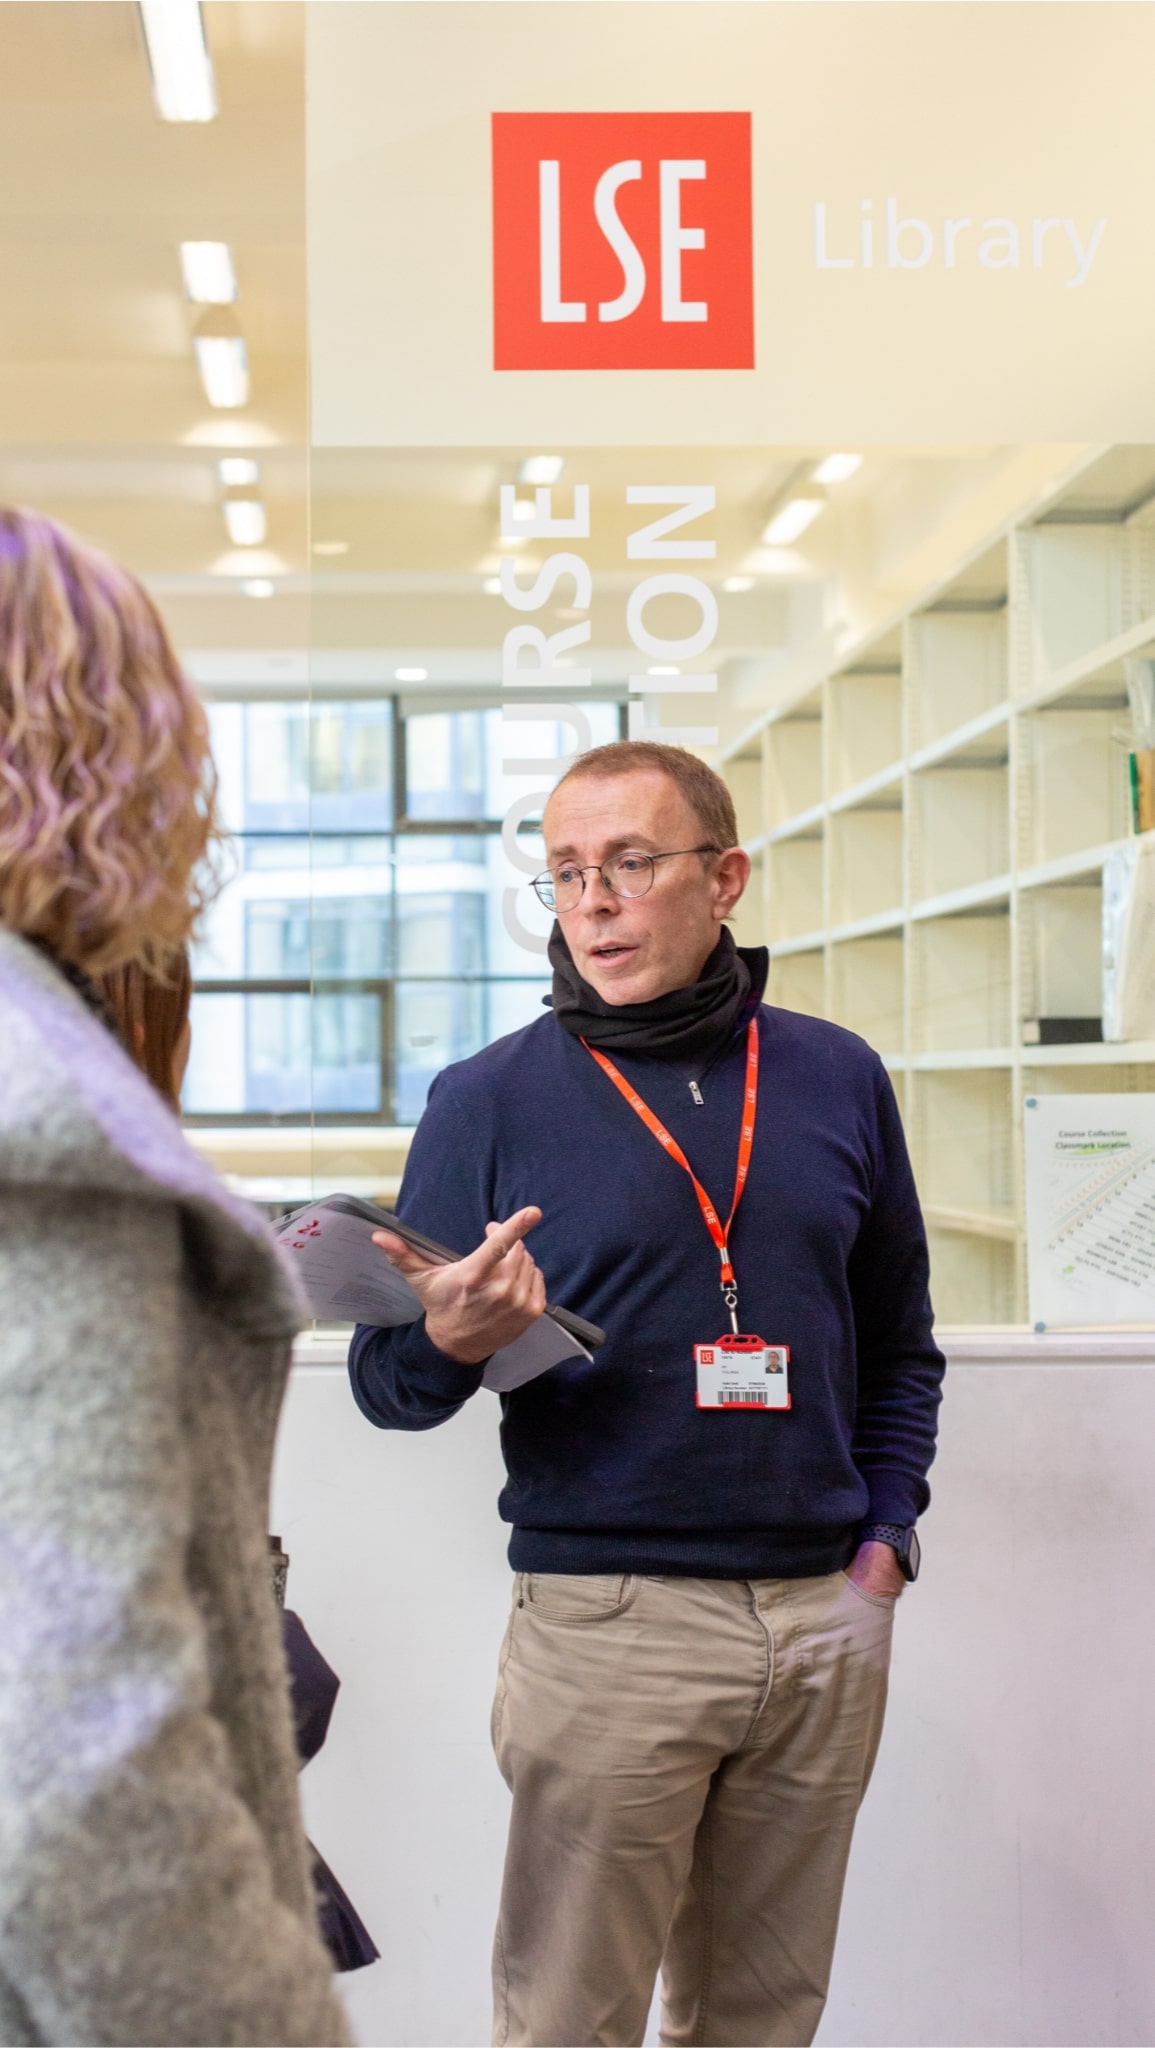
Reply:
x=476, y=1305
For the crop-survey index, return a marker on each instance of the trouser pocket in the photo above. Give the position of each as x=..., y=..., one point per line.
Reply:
x=579, y=1597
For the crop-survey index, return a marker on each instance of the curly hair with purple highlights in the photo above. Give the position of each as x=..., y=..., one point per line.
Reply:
x=108, y=795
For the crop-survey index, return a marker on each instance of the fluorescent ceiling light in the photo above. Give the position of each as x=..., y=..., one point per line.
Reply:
x=836, y=468
x=411, y=675
x=246, y=520
x=522, y=509
x=238, y=471
x=257, y=586
x=330, y=547
x=223, y=362
x=541, y=469
x=207, y=269
x=178, y=57
x=492, y=586
x=663, y=671
x=793, y=519
x=738, y=583
x=781, y=562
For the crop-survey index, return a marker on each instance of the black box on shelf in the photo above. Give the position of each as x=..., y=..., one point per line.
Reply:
x=1062, y=1031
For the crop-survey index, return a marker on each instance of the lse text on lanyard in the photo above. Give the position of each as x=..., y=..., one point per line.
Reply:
x=735, y=1371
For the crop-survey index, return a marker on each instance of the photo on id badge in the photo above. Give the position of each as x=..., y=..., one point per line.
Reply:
x=742, y=1372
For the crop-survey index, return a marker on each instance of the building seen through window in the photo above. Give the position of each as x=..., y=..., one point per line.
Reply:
x=359, y=944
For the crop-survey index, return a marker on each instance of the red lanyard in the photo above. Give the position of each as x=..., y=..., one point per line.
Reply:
x=720, y=1234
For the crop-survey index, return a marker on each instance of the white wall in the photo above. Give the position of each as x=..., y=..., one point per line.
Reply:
x=398, y=1570
x=1003, y=1879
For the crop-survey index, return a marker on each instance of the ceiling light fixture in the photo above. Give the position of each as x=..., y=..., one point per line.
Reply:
x=411, y=675
x=541, y=469
x=246, y=522
x=792, y=520
x=662, y=671
x=836, y=468
x=238, y=471
x=222, y=360
x=492, y=586
x=183, y=85
x=257, y=586
x=207, y=269
x=330, y=547
x=522, y=509
x=737, y=583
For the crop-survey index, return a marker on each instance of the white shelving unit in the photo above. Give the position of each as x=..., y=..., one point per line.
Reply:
x=928, y=826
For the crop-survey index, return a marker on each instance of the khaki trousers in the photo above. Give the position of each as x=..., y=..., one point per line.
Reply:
x=687, y=1758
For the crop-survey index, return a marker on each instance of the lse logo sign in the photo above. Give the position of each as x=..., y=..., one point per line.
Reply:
x=622, y=242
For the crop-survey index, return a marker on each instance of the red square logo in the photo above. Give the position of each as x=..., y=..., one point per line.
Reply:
x=622, y=242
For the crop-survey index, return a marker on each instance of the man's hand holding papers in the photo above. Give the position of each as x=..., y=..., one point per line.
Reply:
x=489, y=1306
x=481, y=1303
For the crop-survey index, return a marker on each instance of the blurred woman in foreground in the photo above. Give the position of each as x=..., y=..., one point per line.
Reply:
x=152, y=1018
x=154, y=1883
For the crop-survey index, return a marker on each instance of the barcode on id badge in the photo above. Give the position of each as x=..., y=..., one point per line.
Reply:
x=745, y=1396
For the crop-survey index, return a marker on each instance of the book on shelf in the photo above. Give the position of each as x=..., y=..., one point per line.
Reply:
x=1129, y=941
x=1062, y=1031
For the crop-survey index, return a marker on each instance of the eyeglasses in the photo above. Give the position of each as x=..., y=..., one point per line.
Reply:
x=624, y=874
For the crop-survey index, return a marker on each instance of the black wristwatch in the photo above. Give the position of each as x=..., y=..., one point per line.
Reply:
x=903, y=1542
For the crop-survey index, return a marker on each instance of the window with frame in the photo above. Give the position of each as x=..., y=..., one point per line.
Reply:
x=359, y=944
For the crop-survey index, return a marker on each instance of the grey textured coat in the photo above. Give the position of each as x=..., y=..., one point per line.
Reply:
x=154, y=1883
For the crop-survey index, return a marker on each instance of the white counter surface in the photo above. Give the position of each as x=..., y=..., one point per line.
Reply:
x=1010, y=1344
x=1002, y=1883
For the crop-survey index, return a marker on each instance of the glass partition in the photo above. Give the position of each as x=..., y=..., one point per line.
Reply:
x=403, y=934
x=919, y=699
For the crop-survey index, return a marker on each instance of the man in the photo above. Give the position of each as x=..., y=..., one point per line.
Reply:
x=709, y=1540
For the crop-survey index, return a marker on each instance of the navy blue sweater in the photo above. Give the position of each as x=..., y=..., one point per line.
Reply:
x=611, y=1467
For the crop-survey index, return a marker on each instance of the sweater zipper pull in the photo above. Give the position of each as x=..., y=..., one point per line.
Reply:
x=697, y=1095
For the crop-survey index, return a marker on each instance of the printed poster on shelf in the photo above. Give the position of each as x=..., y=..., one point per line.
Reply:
x=1090, y=1169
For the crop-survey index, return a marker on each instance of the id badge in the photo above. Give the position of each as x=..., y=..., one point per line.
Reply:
x=742, y=1372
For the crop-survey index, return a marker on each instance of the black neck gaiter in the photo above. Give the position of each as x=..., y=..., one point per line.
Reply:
x=688, y=1024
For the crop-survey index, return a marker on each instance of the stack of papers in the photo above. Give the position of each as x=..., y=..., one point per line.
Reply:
x=347, y=1278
